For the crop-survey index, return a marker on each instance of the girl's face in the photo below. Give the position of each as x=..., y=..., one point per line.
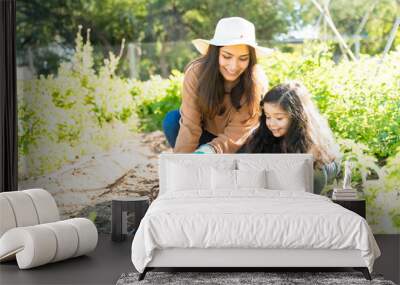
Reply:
x=233, y=61
x=277, y=120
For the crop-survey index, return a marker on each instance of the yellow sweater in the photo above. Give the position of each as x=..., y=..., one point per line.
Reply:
x=231, y=128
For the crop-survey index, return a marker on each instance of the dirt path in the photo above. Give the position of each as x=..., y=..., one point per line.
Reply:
x=129, y=169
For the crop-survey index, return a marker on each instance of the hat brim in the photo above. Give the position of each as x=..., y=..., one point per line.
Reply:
x=202, y=46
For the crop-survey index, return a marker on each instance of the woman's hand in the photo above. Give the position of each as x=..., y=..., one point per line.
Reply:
x=205, y=149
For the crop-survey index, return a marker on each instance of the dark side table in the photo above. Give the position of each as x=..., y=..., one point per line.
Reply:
x=120, y=207
x=356, y=205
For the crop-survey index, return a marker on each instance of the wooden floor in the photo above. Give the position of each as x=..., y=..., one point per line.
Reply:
x=111, y=259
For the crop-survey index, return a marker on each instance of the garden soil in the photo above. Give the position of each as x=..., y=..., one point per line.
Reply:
x=86, y=187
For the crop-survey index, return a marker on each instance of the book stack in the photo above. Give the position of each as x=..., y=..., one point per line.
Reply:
x=344, y=194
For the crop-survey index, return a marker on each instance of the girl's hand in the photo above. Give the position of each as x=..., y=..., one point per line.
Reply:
x=205, y=149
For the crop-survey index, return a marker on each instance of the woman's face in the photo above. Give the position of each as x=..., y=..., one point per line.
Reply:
x=233, y=61
x=277, y=119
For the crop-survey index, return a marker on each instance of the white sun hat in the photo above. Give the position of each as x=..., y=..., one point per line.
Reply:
x=232, y=31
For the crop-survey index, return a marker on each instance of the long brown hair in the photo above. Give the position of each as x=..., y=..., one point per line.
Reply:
x=308, y=129
x=297, y=139
x=211, y=84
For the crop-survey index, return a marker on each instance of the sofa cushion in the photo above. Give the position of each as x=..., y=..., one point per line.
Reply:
x=30, y=232
x=40, y=244
x=27, y=208
x=7, y=216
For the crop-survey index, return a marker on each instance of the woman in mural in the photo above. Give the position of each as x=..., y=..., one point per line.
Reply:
x=291, y=123
x=221, y=92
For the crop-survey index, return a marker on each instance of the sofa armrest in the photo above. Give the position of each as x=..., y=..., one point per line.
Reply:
x=40, y=244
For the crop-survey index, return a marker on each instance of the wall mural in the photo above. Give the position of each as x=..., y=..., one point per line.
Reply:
x=89, y=134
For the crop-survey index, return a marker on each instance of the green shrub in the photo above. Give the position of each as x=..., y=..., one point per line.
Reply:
x=79, y=108
x=77, y=112
x=80, y=112
x=359, y=98
x=359, y=103
x=157, y=96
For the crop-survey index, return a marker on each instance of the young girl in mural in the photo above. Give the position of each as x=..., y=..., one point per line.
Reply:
x=221, y=92
x=291, y=123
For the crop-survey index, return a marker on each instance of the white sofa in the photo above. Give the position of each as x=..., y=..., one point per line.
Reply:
x=31, y=231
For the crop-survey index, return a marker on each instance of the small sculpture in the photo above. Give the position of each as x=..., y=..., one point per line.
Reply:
x=347, y=175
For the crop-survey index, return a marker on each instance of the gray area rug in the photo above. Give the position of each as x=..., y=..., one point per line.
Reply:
x=230, y=278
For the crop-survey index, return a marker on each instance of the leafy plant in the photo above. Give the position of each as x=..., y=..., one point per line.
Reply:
x=154, y=102
x=80, y=111
x=92, y=216
x=359, y=98
x=77, y=112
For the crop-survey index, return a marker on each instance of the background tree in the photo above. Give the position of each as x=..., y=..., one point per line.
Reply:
x=348, y=15
x=162, y=29
x=47, y=27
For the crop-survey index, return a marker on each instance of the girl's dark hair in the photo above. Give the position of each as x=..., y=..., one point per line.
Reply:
x=297, y=138
x=211, y=84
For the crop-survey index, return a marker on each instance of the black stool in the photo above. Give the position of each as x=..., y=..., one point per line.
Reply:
x=119, y=215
